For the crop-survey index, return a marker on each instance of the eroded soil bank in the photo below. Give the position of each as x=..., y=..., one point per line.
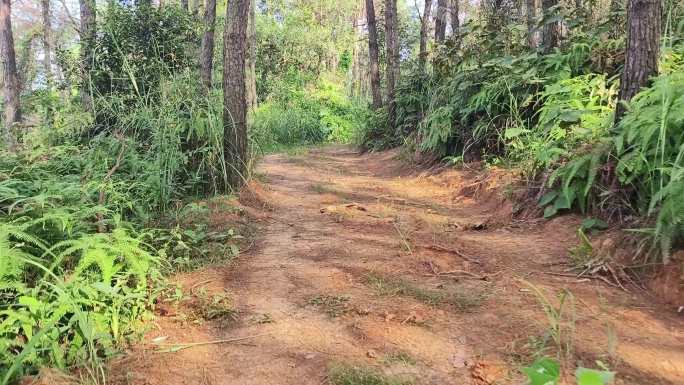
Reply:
x=360, y=261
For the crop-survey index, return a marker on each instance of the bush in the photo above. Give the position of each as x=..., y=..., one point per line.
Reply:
x=317, y=114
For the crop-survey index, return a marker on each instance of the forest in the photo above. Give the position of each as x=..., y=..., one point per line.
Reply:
x=181, y=181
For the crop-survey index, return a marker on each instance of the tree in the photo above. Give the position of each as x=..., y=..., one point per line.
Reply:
x=251, y=55
x=10, y=80
x=234, y=90
x=184, y=5
x=455, y=23
x=47, y=52
x=642, y=51
x=531, y=11
x=88, y=34
x=440, y=20
x=373, y=55
x=392, y=43
x=551, y=30
x=424, y=31
x=206, y=61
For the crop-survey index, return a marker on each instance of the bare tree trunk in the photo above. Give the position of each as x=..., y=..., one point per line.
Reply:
x=47, y=55
x=88, y=31
x=440, y=20
x=531, y=10
x=195, y=7
x=373, y=55
x=392, y=43
x=251, y=57
x=206, y=61
x=618, y=28
x=644, y=24
x=234, y=91
x=10, y=80
x=551, y=31
x=424, y=31
x=455, y=23
x=184, y=5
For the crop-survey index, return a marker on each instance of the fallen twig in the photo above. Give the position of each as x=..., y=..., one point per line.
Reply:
x=452, y=251
x=182, y=346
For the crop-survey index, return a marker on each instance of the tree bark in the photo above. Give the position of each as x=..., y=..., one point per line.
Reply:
x=424, y=31
x=392, y=43
x=195, y=7
x=234, y=91
x=373, y=55
x=251, y=56
x=455, y=23
x=440, y=20
x=551, y=31
x=47, y=55
x=617, y=16
x=87, y=34
x=206, y=61
x=644, y=24
x=10, y=80
x=531, y=10
x=184, y=5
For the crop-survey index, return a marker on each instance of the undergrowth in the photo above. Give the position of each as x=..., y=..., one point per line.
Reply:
x=550, y=115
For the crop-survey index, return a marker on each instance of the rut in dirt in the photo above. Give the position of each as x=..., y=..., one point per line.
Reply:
x=418, y=275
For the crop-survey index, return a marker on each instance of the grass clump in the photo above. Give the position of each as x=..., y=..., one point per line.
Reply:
x=333, y=305
x=399, y=357
x=353, y=375
x=461, y=299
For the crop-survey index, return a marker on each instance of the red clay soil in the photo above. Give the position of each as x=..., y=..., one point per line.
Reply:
x=423, y=275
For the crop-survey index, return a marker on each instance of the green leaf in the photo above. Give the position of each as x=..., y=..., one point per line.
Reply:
x=593, y=377
x=544, y=371
x=550, y=211
x=548, y=198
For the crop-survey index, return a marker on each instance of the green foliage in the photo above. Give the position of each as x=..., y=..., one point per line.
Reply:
x=546, y=371
x=320, y=113
x=550, y=114
x=138, y=46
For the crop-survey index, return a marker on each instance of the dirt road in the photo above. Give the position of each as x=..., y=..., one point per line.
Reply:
x=360, y=261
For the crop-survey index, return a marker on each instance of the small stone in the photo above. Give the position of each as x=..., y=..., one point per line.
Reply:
x=372, y=353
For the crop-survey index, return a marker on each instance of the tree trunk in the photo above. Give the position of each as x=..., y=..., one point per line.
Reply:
x=373, y=55
x=195, y=7
x=184, y=5
x=644, y=25
x=392, y=42
x=440, y=20
x=207, y=50
x=424, y=31
x=87, y=34
x=617, y=16
x=531, y=10
x=251, y=57
x=47, y=56
x=234, y=91
x=10, y=80
x=551, y=31
x=455, y=23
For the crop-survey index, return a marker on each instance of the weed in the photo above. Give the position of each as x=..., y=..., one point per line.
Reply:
x=560, y=318
x=261, y=319
x=353, y=375
x=216, y=307
x=334, y=306
x=546, y=371
x=461, y=299
x=399, y=357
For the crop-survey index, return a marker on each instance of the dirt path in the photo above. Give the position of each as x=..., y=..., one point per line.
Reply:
x=362, y=263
